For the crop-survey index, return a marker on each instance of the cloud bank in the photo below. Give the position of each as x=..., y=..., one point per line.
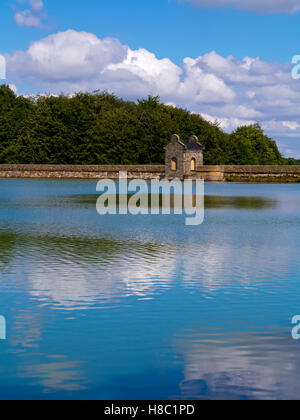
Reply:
x=257, y=6
x=233, y=91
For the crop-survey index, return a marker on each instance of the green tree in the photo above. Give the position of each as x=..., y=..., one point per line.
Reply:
x=100, y=128
x=250, y=146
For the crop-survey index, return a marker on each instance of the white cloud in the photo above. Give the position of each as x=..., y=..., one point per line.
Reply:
x=36, y=5
x=14, y=88
x=142, y=68
x=232, y=91
x=32, y=16
x=26, y=18
x=67, y=59
x=71, y=61
x=258, y=6
x=292, y=125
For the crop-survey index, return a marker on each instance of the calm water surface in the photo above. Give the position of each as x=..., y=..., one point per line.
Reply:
x=123, y=307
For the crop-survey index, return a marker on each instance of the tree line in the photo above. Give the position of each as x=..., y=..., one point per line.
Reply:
x=100, y=128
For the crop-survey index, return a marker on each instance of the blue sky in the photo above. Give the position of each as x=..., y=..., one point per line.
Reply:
x=170, y=28
x=230, y=62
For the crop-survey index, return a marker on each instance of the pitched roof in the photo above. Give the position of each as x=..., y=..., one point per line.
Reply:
x=193, y=146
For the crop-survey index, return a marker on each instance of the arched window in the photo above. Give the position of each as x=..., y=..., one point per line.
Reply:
x=193, y=164
x=174, y=164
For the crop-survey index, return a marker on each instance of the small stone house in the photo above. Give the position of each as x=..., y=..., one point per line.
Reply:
x=183, y=159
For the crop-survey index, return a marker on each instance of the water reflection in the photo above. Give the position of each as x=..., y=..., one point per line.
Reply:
x=84, y=271
x=141, y=307
x=210, y=201
x=7, y=246
x=27, y=331
x=55, y=376
x=253, y=203
x=78, y=272
x=239, y=367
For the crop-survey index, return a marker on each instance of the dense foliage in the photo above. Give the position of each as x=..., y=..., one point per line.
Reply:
x=102, y=129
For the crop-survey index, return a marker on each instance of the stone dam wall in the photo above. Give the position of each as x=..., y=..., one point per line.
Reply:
x=148, y=172
x=246, y=173
x=81, y=171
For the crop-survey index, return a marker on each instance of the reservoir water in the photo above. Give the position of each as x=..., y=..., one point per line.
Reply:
x=144, y=307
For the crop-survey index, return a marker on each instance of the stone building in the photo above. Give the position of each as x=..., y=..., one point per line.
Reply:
x=183, y=159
